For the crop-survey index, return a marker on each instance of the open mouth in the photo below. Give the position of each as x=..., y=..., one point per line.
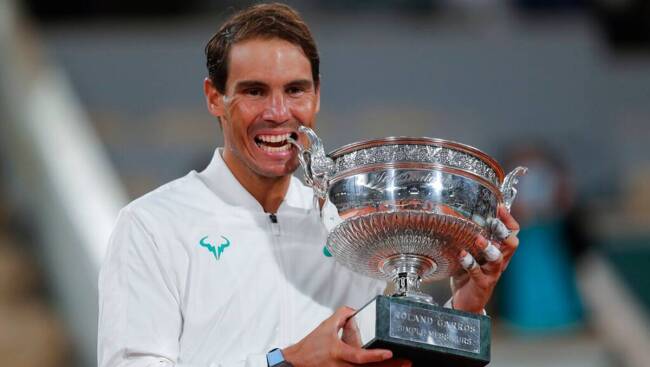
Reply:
x=275, y=143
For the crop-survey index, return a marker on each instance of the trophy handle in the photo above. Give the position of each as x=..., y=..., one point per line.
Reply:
x=318, y=167
x=508, y=187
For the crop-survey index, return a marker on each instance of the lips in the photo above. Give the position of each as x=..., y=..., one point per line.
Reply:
x=273, y=143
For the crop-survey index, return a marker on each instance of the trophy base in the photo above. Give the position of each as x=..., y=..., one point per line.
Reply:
x=425, y=334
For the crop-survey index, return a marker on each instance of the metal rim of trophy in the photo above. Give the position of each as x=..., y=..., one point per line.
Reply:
x=364, y=144
x=389, y=267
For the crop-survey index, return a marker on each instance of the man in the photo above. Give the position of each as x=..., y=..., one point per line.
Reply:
x=219, y=267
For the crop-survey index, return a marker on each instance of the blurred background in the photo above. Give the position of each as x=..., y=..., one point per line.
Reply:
x=101, y=101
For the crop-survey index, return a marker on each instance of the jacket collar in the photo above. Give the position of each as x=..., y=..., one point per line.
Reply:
x=220, y=180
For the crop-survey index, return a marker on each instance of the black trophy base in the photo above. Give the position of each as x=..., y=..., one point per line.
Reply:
x=427, y=335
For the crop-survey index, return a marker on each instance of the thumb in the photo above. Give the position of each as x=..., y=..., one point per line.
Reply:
x=351, y=334
x=341, y=316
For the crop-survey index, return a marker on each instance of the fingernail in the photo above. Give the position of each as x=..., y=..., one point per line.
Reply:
x=492, y=253
x=387, y=355
x=467, y=261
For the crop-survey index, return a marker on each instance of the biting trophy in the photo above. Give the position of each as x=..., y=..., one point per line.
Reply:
x=402, y=209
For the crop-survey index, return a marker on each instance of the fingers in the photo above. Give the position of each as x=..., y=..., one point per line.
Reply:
x=508, y=220
x=351, y=334
x=508, y=247
x=498, y=229
x=341, y=316
x=468, y=262
x=509, y=244
x=493, y=266
x=508, y=239
x=505, y=228
x=356, y=355
x=492, y=255
x=470, y=265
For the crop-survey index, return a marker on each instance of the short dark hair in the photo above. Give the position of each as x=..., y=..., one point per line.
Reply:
x=259, y=21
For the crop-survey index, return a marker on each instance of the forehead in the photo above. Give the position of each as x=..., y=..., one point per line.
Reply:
x=268, y=60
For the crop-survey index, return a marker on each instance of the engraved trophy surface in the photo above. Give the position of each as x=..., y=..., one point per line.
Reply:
x=402, y=209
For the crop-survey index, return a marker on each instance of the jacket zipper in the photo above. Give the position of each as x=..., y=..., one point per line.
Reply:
x=277, y=242
x=275, y=227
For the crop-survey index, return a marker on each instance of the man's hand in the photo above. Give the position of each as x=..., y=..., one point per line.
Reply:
x=323, y=347
x=472, y=290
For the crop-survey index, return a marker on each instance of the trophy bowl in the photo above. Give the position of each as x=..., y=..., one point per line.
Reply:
x=403, y=207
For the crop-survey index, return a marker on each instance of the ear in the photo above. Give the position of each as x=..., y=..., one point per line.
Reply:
x=213, y=99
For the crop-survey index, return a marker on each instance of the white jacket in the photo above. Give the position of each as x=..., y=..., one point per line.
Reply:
x=196, y=274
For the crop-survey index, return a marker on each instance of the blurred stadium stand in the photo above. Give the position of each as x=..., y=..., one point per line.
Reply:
x=99, y=98
x=65, y=192
x=27, y=321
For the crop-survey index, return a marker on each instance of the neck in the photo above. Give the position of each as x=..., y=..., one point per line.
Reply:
x=268, y=191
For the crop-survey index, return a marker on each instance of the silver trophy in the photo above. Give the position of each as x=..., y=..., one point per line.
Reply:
x=402, y=209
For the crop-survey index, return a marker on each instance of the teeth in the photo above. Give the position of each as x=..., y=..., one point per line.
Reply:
x=273, y=138
x=275, y=149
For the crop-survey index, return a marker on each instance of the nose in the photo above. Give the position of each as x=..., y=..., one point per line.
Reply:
x=276, y=109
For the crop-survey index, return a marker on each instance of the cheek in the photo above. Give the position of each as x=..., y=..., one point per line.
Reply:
x=304, y=109
x=242, y=111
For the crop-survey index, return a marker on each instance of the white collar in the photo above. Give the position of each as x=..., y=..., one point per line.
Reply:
x=220, y=180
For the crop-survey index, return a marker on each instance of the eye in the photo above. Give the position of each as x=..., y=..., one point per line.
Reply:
x=295, y=91
x=254, y=92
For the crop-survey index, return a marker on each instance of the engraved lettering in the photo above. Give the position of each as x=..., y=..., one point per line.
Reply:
x=381, y=177
x=404, y=178
x=456, y=325
x=436, y=335
x=435, y=327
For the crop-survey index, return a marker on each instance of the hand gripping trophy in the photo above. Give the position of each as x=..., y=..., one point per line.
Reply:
x=402, y=209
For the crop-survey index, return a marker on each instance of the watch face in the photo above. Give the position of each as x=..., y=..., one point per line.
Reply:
x=274, y=358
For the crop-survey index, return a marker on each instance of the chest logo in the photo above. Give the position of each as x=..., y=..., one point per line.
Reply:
x=216, y=251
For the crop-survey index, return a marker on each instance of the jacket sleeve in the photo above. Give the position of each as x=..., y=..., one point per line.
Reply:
x=140, y=319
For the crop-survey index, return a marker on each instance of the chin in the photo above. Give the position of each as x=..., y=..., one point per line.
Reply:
x=277, y=172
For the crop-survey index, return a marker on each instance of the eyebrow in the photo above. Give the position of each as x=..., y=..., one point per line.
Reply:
x=244, y=84
x=305, y=83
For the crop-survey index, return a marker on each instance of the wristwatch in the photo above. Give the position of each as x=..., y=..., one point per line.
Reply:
x=275, y=358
